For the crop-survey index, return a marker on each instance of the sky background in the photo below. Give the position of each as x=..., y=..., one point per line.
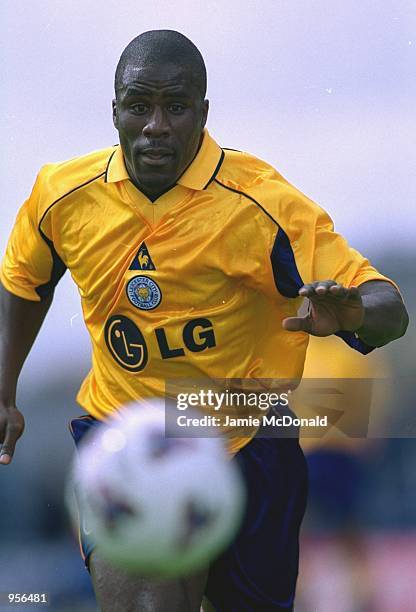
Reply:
x=323, y=90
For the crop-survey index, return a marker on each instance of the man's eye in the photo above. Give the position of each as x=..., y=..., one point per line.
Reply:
x=177, y=109
x=139, y=108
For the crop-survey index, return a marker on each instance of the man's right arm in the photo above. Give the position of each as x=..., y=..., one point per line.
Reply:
x=20, y=321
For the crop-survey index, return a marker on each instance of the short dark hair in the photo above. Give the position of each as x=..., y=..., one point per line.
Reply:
x=163, y=46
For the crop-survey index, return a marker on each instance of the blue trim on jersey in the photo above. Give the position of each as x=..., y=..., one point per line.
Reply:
x=58, y=270
x=286, y=274
x=355, y=342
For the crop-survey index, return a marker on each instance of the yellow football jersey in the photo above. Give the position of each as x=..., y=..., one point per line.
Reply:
x=194, y=285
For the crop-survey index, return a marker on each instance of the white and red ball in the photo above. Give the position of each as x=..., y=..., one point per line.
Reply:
x=152, y=504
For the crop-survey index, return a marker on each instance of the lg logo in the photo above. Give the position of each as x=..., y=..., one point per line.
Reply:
x=127, y=345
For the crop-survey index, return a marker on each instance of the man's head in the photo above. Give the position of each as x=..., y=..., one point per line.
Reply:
x=160, y=108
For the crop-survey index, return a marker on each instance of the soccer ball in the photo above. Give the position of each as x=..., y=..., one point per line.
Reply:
x=156, y=505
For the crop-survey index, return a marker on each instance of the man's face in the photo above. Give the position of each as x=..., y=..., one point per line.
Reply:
x=159, y=114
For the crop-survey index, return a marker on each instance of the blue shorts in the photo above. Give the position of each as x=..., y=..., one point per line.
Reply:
x=259, y=569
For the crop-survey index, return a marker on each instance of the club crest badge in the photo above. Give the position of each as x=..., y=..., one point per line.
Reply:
x=144, y=293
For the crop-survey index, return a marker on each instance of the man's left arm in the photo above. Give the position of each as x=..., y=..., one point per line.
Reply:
x=374, y=311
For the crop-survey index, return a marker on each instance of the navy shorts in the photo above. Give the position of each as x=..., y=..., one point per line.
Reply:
x=259, y=569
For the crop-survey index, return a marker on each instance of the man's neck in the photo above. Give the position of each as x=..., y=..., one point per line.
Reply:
x=152, y=195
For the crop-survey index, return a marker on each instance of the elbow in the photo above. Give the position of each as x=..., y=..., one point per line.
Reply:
x=404, y=321
x=401, y=323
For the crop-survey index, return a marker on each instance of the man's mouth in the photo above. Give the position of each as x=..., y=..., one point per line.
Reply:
x=155, y=156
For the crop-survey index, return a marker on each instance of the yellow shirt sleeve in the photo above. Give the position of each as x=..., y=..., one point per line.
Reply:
x=303, y=248
x=323, y=254
x=31, y=267
x=307, y=249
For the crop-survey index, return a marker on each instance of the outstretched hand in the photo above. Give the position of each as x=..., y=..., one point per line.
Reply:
x=332, y=308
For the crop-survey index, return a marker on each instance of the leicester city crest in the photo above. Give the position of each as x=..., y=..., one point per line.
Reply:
x=143, y=293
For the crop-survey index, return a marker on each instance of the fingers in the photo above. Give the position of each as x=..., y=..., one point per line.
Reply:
x=328, y=288
x=317, y=288
x=13, y=429
x=6, y=458
x=13, y=433
x=344, y=292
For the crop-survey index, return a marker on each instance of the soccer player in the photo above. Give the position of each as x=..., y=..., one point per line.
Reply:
x=191, y=261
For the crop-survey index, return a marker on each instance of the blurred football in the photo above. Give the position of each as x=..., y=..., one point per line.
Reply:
x=152, y=504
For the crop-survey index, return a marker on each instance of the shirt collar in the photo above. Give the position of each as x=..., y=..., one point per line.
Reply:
x=198, y=175
x=116, y=168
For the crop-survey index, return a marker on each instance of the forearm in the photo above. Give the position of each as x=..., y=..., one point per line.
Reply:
x=385, y=315
x=20, y=321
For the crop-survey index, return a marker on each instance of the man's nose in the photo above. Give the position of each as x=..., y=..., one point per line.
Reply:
x=157, y=125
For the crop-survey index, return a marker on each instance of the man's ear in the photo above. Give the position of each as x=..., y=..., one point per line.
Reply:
x=205, y=113
x=115, y=117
